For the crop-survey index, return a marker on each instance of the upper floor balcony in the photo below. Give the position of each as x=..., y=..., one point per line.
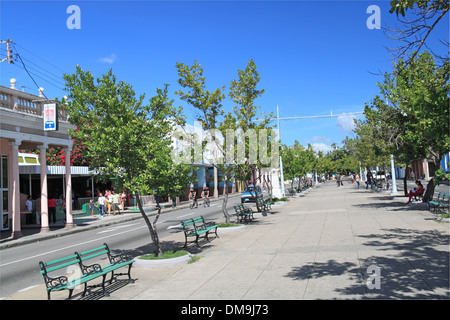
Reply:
x=16, y=100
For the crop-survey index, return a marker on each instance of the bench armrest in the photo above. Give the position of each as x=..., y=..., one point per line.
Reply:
x=91, y=268
x=209, y=224
x=120, y=258
x=53, y=283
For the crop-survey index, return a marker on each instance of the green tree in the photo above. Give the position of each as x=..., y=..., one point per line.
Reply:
x=127, y=138
x=418, y=19
x=243, y=92
x=420, y=92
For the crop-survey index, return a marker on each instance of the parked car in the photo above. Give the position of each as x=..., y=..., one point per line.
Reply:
x=248, y=196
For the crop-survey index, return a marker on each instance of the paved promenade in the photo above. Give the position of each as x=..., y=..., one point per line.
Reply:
x=317, y=246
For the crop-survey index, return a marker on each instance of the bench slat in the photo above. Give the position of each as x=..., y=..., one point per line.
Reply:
x=49, y=263
x=60, y=266
x=84, y=258
x=93, y=250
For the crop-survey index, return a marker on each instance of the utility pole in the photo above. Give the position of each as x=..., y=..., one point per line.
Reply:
x=8, y=51
x=281, y=161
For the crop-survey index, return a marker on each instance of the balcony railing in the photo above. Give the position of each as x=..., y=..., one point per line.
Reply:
x=13, y=99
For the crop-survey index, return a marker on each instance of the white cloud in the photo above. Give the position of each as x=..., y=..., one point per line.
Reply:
x=321, y=147
x=110, y=59
x=346, y=122
x=320, y=138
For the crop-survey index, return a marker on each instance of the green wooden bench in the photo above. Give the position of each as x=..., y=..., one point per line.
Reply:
x=76, y=273
x=442, y=203
x=242, y=213
x=114, y=262
x=58, y=282
x=265, y=205
x=291, y=191
x=196, y=227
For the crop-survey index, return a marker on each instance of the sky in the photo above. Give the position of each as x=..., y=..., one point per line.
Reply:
x=313, y=57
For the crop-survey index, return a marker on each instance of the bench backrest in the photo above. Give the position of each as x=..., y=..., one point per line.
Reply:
x=47, y=267
x=191, y=223
x=93, y=253
x=188, y=224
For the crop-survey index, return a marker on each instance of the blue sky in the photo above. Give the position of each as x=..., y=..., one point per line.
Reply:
x=312, y=56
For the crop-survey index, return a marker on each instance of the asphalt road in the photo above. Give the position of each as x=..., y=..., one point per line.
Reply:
x=19, y=266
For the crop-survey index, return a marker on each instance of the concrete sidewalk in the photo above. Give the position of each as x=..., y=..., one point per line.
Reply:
x=318, y=246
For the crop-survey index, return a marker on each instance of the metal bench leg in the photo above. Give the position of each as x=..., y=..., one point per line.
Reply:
x=112, y=277
x=129, y=274
x=70, y=294
x=85, y=289
x=105, y=292
x=196, y=240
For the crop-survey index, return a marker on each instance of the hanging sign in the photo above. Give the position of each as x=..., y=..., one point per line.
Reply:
x=50, y=117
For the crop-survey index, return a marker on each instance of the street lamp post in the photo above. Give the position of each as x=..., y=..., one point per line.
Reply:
x=394, y=183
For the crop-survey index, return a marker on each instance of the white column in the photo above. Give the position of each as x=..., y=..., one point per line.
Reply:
x=216, y=183
x=44, y=194
x=15, y=192
x=69, y=217
x=394, y=181
x=427, y=172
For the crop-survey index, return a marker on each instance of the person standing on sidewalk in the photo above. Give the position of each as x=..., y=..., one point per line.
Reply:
x=357, y=181
x=115, y=202
x=110, y=201
x=101, y=204
x=91, y=207
x=52, y=209
x=369, y=180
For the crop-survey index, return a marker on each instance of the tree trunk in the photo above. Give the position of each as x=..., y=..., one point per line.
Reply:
x=269, y=189
x=151, y=226
x=405, y=183
x=225, y=202
x=428, y=195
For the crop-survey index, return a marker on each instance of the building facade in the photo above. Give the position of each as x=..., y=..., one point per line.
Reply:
x=24, y=125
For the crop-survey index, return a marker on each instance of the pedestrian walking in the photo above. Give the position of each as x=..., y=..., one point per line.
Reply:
x=123, y=197
x=91, y=207
x=357, y=179
x=101, y=204
x=115, y=202
x=369, y=180
x=52, y=209
x=110, y=202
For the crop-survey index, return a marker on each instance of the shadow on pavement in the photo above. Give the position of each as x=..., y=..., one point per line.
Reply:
x=419, y=269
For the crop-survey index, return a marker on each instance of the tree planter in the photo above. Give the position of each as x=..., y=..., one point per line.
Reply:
x=222, y=230
x=162, y=263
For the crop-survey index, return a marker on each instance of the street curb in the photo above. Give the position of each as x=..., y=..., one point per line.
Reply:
x=76, y=229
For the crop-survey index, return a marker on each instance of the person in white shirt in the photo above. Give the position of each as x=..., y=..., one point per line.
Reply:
x=101, y=204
